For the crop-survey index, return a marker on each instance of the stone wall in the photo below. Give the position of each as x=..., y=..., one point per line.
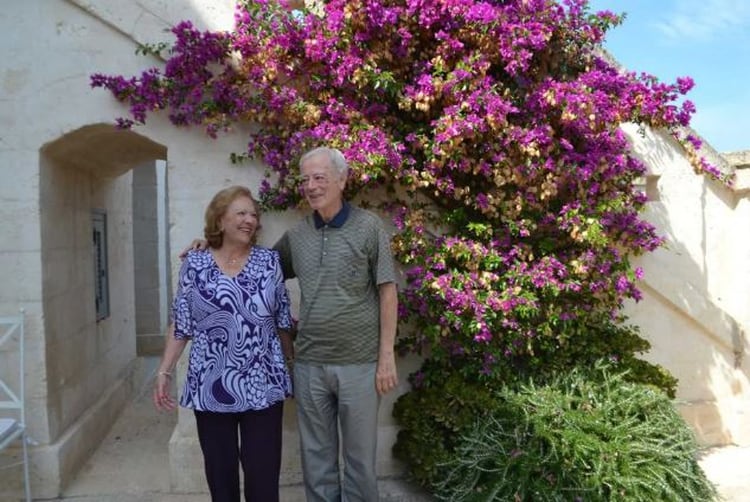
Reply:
x=695, y=307
x=60, y=158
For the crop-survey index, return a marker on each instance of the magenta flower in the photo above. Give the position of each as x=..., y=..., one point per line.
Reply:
x=488, y=131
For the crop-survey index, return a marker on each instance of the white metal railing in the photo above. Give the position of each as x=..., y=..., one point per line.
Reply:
x=13, y=427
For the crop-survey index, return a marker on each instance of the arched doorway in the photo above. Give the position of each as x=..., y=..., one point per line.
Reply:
x=102, y=213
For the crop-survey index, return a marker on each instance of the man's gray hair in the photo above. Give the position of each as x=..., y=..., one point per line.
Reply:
x=337, y=159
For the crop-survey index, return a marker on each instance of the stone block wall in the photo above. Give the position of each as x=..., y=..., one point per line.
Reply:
x=60, y=157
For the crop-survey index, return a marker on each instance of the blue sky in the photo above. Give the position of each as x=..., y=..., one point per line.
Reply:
x=708, y=40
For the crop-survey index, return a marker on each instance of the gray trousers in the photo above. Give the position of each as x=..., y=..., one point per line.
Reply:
x=330, y=400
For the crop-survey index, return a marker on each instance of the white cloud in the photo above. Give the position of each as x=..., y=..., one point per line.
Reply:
x=703, y=19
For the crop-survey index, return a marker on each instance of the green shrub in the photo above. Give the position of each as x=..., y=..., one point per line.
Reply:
x=433, y=419
x=451, y=393
x=589, y=436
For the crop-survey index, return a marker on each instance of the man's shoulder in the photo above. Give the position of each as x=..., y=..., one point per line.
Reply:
x=366, y=220
x=303, y=224
x=365, y=215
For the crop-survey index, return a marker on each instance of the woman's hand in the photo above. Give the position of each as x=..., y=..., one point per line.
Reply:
x=163, y=400
x=173, y=348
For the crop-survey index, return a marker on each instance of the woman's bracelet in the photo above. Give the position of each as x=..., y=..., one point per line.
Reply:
x=165, y=373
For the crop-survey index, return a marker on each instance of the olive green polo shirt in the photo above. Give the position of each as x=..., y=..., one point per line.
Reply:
x=339, y=266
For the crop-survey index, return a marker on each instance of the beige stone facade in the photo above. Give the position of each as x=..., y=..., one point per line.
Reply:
x=696, y=296
x=61, y=161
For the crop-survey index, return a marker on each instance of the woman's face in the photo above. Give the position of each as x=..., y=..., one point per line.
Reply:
x=240, y=221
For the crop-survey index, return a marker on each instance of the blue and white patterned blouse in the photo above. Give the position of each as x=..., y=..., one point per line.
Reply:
x=236, y=363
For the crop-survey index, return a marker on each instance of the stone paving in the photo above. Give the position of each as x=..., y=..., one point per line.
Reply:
x=132, y=465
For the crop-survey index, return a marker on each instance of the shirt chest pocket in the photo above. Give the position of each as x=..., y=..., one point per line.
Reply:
x=353, y=274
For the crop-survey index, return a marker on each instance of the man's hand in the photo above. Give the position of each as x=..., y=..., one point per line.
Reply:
x=386, y=377
x=197, y=244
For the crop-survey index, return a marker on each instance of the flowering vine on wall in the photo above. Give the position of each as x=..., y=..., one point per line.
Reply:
x=492, y=126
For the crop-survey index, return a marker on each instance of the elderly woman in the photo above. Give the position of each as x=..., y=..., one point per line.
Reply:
x=232, y=303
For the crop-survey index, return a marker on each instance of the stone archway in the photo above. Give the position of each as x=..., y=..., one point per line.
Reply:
x=90, y=181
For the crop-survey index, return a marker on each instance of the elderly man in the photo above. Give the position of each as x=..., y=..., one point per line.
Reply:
x=344, y=356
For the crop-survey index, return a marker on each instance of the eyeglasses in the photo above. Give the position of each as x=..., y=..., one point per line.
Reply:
x=317, y=179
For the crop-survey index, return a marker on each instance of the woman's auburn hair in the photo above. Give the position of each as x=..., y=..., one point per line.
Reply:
x=216, y=210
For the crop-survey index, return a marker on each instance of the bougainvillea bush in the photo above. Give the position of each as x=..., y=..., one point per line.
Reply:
x=491, y=128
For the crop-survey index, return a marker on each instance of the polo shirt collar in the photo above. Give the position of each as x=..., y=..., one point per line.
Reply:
x=337, y=221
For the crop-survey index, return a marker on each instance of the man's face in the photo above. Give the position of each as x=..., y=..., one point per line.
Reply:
x=322, y=185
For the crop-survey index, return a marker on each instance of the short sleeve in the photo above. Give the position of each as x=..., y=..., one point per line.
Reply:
x=285, y=256
x=181, y=312
x=283, y=307
x=383, y=266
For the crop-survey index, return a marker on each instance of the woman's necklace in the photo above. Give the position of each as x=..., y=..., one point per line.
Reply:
x=232, y=262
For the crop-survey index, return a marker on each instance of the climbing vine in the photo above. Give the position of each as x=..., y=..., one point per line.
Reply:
x=491, y=130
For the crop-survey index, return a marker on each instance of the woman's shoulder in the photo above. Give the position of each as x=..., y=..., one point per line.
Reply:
x=199, y=258
x=266, y=257
x=265, y=252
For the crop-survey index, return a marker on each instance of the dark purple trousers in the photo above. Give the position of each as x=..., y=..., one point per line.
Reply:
x=252, y=438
